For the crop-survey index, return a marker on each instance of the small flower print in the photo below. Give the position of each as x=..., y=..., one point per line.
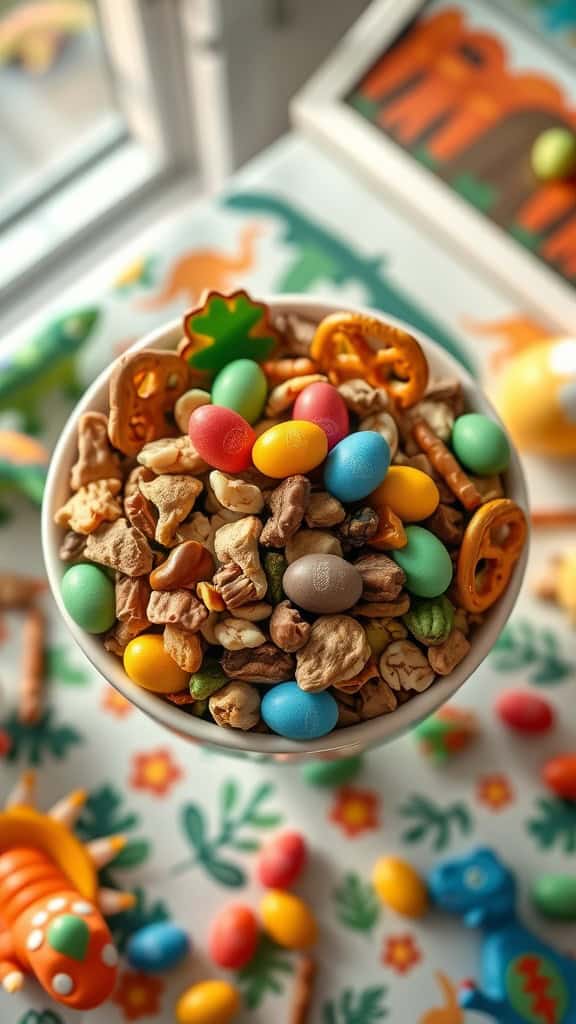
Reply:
x=356, y=810
x=114, y=703
x=138, y=995
x=401, y=953
x=155, y=771
x=495, y=792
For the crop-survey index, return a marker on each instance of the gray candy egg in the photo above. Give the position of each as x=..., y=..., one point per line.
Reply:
x=322, y=583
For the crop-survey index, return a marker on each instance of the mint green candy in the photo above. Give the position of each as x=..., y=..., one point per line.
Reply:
x=555, y=896
x=480, y=444
x=89, y=597
x=554, y=154
x=332, y=773
x=425, y=561
x=241, y=386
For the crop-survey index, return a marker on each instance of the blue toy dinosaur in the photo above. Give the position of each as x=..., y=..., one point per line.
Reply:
x=524, y=981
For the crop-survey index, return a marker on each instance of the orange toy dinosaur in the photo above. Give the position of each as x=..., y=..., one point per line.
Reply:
x=517, y=333
x=51, y=910
x=450, y=1013
x=202, y=269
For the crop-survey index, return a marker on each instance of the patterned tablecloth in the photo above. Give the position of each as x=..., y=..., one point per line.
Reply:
x=293, y=222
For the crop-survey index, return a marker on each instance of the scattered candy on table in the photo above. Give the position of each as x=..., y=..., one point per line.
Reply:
x=157, y=947
x=208, y=1002
x=233, y=936
x=450, y=731
x=400, y=887
x=559, y=774
x=553, y=154
x=288, y=920
x=332, y=773
x=525, y=712
x=281, y=860
x=555, y=896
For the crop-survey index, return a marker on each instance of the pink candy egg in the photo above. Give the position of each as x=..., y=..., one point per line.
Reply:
x=281, y=860
x=233, y=936
x=222, y=438
x=525, y=712
x=321, y=404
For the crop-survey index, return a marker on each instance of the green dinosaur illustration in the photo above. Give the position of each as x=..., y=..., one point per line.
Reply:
x=322, y=255
x=46, y=362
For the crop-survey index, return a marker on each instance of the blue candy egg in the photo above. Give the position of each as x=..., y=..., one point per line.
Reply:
x=357, y=465
x=157, y=947
x=297, y=715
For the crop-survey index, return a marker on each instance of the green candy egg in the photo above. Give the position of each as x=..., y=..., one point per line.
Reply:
x=425, y=561
x=480, y=444
x=89, y=597
x=241, y=386
x=554, y=154
x=332, y=773
x=555, y=896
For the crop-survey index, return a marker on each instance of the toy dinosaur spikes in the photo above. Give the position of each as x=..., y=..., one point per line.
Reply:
x=51, y=909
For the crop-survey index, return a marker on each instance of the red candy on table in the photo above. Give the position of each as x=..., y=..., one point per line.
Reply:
x=525, y=712
x=559, y=774
x=222, y=438
x=281, y=860
x=233, y=936
x=321, y=404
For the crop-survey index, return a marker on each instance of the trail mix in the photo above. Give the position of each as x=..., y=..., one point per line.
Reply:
x=286, y=526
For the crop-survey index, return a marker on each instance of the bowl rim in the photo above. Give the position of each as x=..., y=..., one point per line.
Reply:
x=340, y=742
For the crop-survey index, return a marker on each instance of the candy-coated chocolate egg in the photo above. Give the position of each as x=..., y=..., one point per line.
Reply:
x=425, y=561
x=536, y=398
x=332, y=773
x=480, y=444
x=288, y=448
x=208, y=1002
x=555, y=896
x=157, y=947
x=400, y=887
x=241, y=386
x=553, y=154
x=288, y=920
x=560, y=776
x=297, y=715
x=89, y=597
x=411, y=494
x=357, y=465
x=322, y=583
x=233, y=936
x=222, y=438
x=149, y=665
x=281, y=860
x=321, y=403
x=525, y=712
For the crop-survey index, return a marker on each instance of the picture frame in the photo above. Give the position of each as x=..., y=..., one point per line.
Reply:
x=321, y=111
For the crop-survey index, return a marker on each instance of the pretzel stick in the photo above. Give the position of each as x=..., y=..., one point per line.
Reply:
x=18, y=591
x=304, y=990
x=553, y=517
x=445, y=464
x=32, y=667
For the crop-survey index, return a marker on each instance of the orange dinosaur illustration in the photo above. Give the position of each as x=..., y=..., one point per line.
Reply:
x=450, y=1012
x=201, y=269
x=517, y=333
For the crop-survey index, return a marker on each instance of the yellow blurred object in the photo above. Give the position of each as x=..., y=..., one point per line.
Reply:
x=536, y=397
x=400, y=887
x=558, y=583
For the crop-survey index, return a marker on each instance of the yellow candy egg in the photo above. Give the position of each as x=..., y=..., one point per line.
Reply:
x=536, y=398
x=288, y=920
x=411, y=494
x=151, y=667
x=208, y=1002
x=293, y=447
x=400, y=887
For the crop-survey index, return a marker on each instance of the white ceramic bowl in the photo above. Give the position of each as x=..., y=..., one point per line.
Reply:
x=342, y=742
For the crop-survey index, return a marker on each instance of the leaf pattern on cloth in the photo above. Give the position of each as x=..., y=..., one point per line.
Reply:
x=523, y=645
x=434, y=823
x=104, y=814
x=33, y=744
x=554, y=824
x=357, y=906
x=60, y=666
x=356, y=1007
x=265, y=973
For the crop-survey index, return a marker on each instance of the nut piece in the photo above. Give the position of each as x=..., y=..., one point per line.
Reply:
x=359, y=527
x=132, y=595
x=91, y=505
x=207, y=679
x=174, y=497
x=208, y=626
x=257, y=611
x=375, y=699
x=72, y=546
x=490, y=487
x=297, y=332
x=404, y=667
x=337, y=650
x=308, y=542
x=438, y=415
x=284, y=395
x=324, y=510
x=186, y=564
x=210, y=597
x=183, y=647
x=385, y=425
x=287, y=503
x=381, y=632
x=233, y=586
x=172, y=455
x=120, y=546
x=238, y=634
x=116, y=640
x=266, y=664
x=362, y=399
x=448, y=390
x=96, y=460
x=236, y=706
x=238, y=543
x=382, y=578
x=288, y=629
x=196, y=527
x=138, y=512
x=448, y=525
x=186, y=405
x=368, y=673
x=446, y=656
x=383, y=609
x=176, y=608
x=132, y=482
x=235, y=494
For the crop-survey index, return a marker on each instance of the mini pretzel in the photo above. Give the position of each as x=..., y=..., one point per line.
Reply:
x=143, y=390
x=446, y=465
x=494, y=538
x=341, y=346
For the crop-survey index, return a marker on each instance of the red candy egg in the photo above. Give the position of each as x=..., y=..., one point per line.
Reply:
x=321, y=404
x=525, y=712
x=233, y=936
x=560, y=776
x=281, y=860
x=222, y=438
